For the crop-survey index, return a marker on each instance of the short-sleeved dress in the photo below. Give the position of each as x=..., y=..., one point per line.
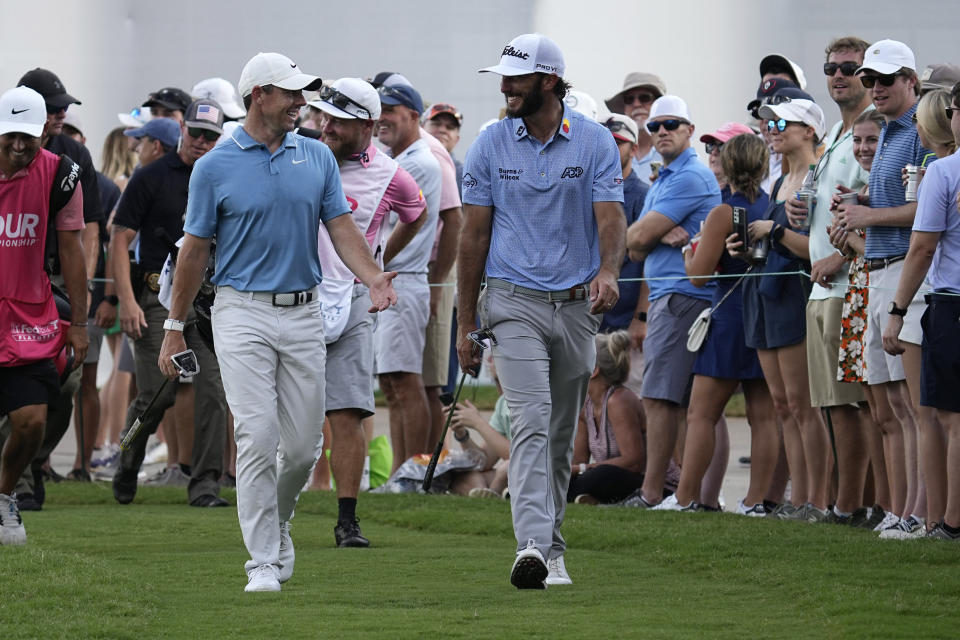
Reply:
x=774, y=306
x=724, y=353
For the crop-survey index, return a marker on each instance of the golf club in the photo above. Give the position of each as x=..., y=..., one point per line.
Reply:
x=478, y=338
x=186, y=364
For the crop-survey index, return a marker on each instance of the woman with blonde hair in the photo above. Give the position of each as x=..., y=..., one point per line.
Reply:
x=610, y=429
x=118, y=160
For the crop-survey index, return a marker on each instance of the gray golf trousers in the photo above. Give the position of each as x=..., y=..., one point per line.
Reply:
x=544, y=358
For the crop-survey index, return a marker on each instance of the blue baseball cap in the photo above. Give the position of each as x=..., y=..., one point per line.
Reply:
x=166, y=130
x=402, y=94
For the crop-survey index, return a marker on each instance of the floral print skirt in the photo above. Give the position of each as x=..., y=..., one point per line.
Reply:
x=852, y=366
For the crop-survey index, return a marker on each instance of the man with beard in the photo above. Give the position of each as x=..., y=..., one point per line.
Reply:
x=374, y=185
x=400, y=336
x=639, y=91
x=153, y=205
x=544, y=219
x=838, y=400
x=676, y=205
x=31, y=335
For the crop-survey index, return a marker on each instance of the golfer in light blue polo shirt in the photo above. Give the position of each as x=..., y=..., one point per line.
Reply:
x=263, y=194
x=542, y=194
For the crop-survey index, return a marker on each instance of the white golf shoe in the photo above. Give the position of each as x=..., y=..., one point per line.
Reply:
x=11, y=526
x=263, y=578
x=557, y=572
x=286, y=552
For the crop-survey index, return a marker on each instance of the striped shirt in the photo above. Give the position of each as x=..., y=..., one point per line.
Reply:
x=899, y=145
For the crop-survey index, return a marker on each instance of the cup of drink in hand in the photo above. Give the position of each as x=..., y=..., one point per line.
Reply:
x=809, y=198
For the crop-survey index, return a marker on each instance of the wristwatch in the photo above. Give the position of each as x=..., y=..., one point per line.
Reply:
x=642, y=316
x=173, y=325
x=114, y=300
x=777, y=233
x=894, y=310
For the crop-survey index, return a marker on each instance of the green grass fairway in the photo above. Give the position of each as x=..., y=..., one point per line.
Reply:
x=439, y=569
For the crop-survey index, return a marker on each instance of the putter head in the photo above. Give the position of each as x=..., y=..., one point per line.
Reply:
x=479, y=337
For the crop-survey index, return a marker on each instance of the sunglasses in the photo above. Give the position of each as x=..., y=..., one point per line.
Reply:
x=712, y=146
x=52, y=110
x=615, y=126
x=670, y=125
x=342, y=101
x=885, y=80
x=642, y=98
x=754, y=107
x=846, y=68
x=950, y=111
x=206, y=134
x=781, y=124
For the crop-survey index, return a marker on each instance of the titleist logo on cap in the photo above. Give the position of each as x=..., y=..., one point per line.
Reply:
x=516, y=53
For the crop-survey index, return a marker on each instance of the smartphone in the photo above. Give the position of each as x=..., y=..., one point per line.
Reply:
x=740, y=224
x=186, y=363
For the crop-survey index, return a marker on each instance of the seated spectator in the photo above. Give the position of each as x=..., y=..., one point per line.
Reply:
x=610, y=429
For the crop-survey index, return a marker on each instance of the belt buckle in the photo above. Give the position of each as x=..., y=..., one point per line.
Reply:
x=302, y=297
x=153, y=282
x=578, y=293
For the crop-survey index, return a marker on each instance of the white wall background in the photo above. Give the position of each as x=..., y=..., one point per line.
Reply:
x=111, y=53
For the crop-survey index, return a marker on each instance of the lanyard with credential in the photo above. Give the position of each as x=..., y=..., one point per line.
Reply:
x=821, y=163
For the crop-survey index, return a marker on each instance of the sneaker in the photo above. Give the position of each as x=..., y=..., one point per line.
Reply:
x=529, y=570
x=635, y=500
x=105, y=457
x=670, y=504
x=875, y=517
x=11, y=525
x=156, y=454
x=347, y=534
x=939, y=533
x=835, y=518
x=106, y=470
x=263, y=578
x=906, y=529
x=483, y=492
x=860, y=517
x=286, y=552
x=557, y=572
x=755, y=511
x=889, y=519
x=169, y=477
x=810, y=513
x=783, y=511
x=28, y=502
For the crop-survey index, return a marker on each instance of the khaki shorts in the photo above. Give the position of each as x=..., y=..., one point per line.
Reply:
x=436, y=352
x=823, y=347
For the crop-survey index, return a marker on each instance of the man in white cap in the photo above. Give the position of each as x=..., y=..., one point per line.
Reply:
x=263, y=194
x=374, y=185
x=676, y=205
x=223, y=93
x=639, y=91
x=31, y=334
x=542, y=192
x=889, y=74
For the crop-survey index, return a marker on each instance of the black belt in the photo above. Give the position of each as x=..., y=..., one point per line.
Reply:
x=876, y=264
x=578, y=292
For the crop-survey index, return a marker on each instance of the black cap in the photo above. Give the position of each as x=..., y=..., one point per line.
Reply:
x=771, y=87
x=47, y=84
x=169, y=98
x=380, y=78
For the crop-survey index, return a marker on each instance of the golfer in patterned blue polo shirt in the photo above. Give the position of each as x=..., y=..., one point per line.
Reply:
x=542, y=194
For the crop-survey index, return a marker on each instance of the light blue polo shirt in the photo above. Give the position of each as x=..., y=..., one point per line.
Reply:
x=685, y=192
x=938, y=211
x=544, y=233
x=899, y=145
x=265, y=210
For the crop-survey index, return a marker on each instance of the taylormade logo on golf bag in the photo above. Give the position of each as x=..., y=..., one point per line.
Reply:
x=69, y=183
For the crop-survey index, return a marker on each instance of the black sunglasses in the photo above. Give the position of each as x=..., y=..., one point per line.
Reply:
x=846, y=68
x=670, y=125
x=206, y=134
x=614, y=125
x=950, y=111
x=342, y=101
x=885, y=80
x=642, y=98
x=712, y=146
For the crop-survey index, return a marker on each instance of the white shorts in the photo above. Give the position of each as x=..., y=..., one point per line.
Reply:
x=881, y=366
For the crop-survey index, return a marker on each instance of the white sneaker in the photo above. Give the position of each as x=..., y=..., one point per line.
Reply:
x=11, y=526
x=263, y=578
x=169, y=477
x=157, y=454
x=557, y=572
x=889, y=519
x=756, y=511
x=906, y=529
x=670, y=504
x=529, y=570
x=286, y=552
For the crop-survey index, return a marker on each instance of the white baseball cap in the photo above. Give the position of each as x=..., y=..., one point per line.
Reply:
x=277, y=70
x=529, y=53
x=221, y=92
x=22, y=110
x=582, y=102
x=799, y=110
x=775, y=60
x=623, y=127
x=669, y=106
x=350, y=99
x=888, y=56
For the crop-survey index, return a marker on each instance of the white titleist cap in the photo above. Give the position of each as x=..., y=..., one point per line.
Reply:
x=670, y=106
x=529, y=53
x=22, y=110
x=277, y=70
